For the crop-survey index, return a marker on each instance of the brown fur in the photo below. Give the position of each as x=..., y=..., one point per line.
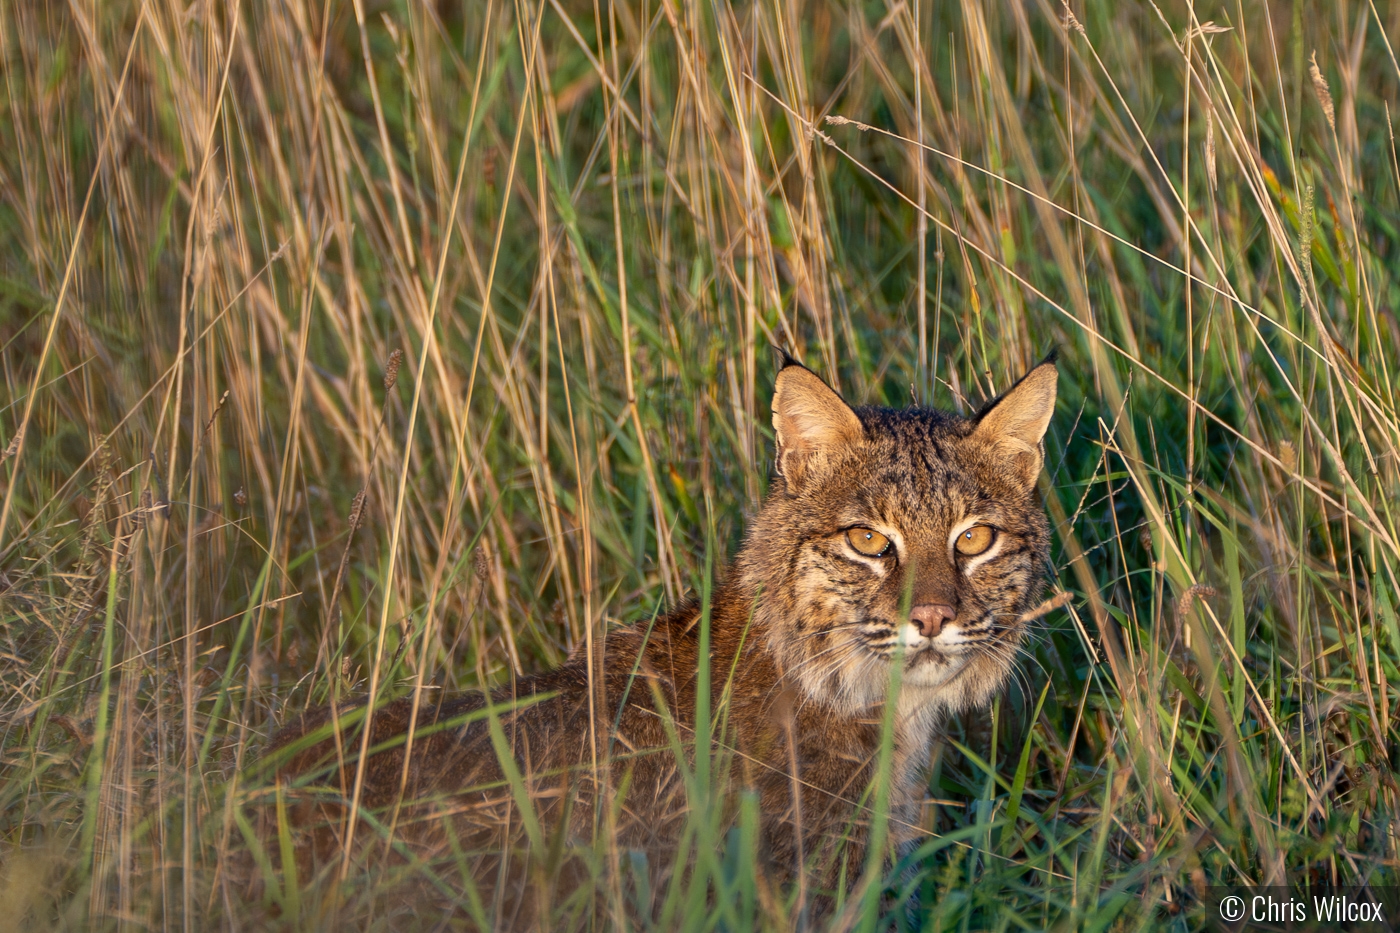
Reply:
x=808, y=627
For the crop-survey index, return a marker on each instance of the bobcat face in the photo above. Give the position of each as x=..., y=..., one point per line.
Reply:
x=910, y=537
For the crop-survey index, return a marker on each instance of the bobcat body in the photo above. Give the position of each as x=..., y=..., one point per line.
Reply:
x=911, y=538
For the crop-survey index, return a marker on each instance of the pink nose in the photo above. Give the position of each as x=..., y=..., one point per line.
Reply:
x=931, y=617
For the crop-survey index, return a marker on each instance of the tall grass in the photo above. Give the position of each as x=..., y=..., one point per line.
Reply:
x=580, y=227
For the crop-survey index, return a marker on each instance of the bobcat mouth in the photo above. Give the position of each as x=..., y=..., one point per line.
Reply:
x=925, y=654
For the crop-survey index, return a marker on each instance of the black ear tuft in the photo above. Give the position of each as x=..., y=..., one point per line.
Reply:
x=1053, y=356
x=783, y=358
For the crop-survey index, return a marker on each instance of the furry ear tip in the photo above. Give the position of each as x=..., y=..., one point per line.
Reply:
x=1031, y=399
x=1053, y=358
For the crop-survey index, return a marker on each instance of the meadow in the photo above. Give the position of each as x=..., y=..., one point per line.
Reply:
x=384, y=346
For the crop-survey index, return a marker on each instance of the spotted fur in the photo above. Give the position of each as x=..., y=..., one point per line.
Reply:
x=810, y=628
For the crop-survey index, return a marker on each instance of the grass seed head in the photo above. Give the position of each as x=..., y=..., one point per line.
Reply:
x=391, y=373
x=357, y=509
x=1324, y=95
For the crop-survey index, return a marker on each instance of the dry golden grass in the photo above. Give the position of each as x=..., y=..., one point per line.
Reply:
x=576, y=228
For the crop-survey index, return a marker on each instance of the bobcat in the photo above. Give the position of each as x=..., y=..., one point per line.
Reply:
x=890, y=537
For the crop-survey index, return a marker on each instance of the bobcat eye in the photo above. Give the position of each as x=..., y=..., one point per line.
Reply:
x=975, y=540
x=869, y=542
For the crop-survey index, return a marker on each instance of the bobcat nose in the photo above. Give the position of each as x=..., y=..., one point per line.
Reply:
x=931, y=617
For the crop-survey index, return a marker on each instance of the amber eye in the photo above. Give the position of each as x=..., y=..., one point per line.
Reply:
x=975, y=540
x=868, y=542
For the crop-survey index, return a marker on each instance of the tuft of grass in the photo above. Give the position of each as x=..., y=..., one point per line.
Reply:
x=575, y=229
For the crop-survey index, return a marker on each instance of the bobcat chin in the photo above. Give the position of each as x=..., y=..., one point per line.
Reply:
x=889, y=537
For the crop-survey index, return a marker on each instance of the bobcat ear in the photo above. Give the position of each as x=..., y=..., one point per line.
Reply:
x=1015, y=423
x=811, y=422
